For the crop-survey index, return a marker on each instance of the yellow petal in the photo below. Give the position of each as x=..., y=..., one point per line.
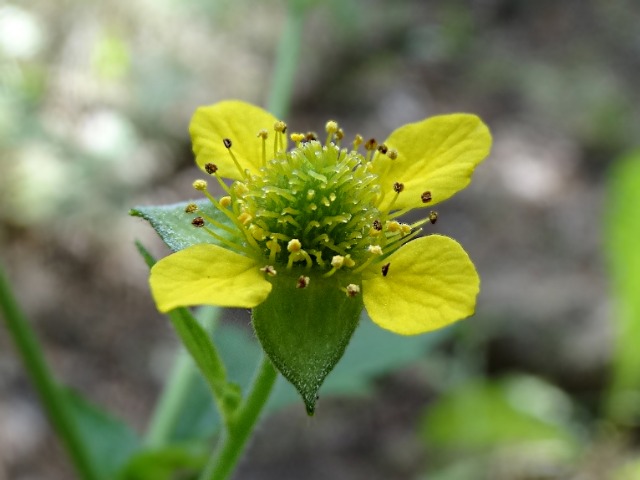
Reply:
x=437, y=155
x=207, y=274
x=430, y=283
x=238, y=121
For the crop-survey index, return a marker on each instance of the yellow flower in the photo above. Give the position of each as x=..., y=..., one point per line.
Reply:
x=321, y=200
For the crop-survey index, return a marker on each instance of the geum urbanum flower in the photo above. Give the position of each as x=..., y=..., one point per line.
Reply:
x=313, y=233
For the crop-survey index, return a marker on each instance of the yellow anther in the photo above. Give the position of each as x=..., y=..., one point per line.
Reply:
x=352, y=290
x=200, y=185
x=269, y=270
x=225, y=201
x=332, y=197
x=294, y=245
x=240, y=189
x=297, y=137
x=337, y=261
x=245, y=217
x=375, y=249
x=405, y=229
x=310, y=194
x=263, y=134
x=273, y=245
x=393, y=226
x=331, y=126
x=349, y=262
x=280, y=126
x=257, y=232
x=192, y=207
x=357, y=141
x=373, y=232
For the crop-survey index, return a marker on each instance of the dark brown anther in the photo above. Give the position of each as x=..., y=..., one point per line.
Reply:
x=433, y=217
x=385, y=269
x=426, y=197
x=339, y=135
x=227, y=142
x=311, y=136
x=303, y=282
x=370, y=144
x=377, y=225
x=198, y=222
x=210, y=168
x=398, y=187
x=383, y=149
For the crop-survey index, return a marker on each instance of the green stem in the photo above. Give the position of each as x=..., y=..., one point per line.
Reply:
x=240, y=426
x=49, y=391
x=286, y=63
x=177, y=389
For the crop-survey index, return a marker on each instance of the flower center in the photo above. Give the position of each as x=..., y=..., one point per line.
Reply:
x=320, y=196
x=310, y=208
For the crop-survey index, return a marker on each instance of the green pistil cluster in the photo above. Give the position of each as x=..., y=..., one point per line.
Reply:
x=319, y=195
x=312, y=207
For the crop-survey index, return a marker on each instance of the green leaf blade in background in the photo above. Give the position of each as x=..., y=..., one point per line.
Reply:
x=173, y=224
x=164, y=463
x=484, y=414
x=622, y=243
x=109, y=442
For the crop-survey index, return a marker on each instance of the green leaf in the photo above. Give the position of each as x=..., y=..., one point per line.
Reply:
x=197, y=342
x=109, y=441
x=165, y=463
x=485, y=414
x=622, y=231
x=305, y=331
x=173, y=224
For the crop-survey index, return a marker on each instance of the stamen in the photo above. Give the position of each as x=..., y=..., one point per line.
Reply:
x=376, y=252
x=191, y=208
x=198, y=222
x=210, y=168
x=225, y=201
x=357, y=141
x=392, y=154
x=297, y=138
x=280, y=127
x=331, y=127
x=398, y=188
x=227, y=143
x=263, y=134
x=303, y=282
x=426, y=197
x=385, y=269
x=269, y=270
x=370, y=146
x=200, y=185
x=433, y=217
x=352, y=290
x=382, y=148
x=377, y=225
x=274, y=248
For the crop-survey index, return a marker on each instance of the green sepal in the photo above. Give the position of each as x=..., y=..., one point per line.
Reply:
x=305, y=331
x=174, y=226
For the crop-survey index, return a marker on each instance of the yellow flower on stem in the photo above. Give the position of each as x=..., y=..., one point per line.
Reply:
x=314, y=232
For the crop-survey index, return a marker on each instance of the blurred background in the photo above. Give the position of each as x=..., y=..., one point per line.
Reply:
x=95, y=101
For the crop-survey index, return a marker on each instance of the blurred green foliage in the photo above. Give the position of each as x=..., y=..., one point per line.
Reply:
x=622, y=234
